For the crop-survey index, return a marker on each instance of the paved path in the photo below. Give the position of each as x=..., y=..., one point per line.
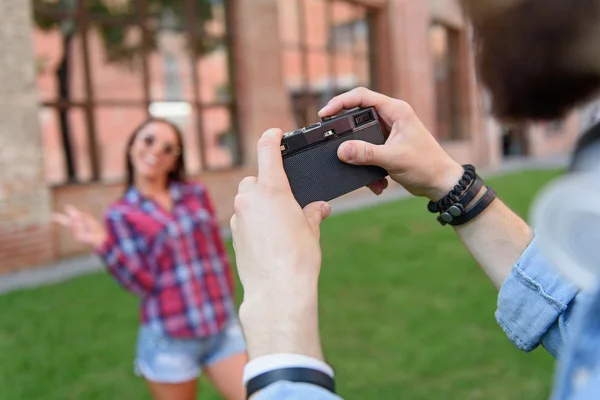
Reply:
x=73, y=267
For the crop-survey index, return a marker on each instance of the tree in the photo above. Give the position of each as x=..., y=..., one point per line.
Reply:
x=172, y=15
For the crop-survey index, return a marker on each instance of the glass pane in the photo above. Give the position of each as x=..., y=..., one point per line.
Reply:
x=114, y=52
x=210, y=15
x=213, y=15
x=292, y=69
x=315, y=22
x=59, y=49
x=363, y=69
x=213, y=71
x=54, y=6
x=171, y=65
x=344, y=70
x=114, y=126
x=189, y=128
x=361, y=36
x=220, y=141
x=54, y=146
x=288, y=22
x=343, y=26
x=317, y=70
x=443, y=48
x=111, y=8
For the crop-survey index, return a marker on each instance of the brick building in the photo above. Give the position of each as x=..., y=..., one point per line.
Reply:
x=78, y=79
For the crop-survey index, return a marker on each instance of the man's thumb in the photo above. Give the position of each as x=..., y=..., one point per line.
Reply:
x=359, y=152
x=315, y=213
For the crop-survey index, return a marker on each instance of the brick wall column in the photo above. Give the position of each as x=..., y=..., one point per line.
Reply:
x=25, y=237
x=410, y=59
x=262, y=98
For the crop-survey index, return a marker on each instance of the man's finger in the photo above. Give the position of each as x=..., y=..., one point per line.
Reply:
x=362, y=97
x=270, y=162
x=379, y=186
x=233, y=227
x=358, y=152
x=246, y=184
x=315, y=213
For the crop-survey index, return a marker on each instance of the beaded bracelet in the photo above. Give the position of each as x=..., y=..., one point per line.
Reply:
x=465, y=182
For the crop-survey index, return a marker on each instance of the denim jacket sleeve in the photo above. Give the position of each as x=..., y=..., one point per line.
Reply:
x=284, y=390
x=535, y=303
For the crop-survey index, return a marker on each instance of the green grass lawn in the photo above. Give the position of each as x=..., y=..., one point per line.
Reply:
x=405, y=314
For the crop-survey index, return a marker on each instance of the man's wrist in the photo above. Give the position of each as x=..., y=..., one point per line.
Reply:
x=273, y=327
x=264, y=371
x=446, y=181
x=270, y=362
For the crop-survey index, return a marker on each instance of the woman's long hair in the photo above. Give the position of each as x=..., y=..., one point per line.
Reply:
x=178, y=173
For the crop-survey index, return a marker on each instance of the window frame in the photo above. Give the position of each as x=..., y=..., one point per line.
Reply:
x=84, y=22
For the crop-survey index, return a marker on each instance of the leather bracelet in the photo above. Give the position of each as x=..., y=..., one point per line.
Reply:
x=478, y=208
x=457, y=209
x=294, y=374
x=463, y=184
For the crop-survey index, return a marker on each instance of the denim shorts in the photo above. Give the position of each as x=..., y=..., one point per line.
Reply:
x=165, y=359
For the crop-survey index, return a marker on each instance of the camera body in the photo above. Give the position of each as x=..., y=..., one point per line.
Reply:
x=310, y=159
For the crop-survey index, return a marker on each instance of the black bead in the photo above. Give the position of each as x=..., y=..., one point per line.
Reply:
x=455, y=210
x=446, y=217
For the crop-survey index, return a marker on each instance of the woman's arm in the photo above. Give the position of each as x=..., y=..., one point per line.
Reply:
x=123, y=252
x=206, y=200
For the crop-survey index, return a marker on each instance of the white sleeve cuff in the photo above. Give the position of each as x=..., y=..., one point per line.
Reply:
x=271, y=362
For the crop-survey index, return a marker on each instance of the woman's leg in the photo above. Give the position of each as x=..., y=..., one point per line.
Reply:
x=173, y=391
x=226, y=376
x=224, y=364
x=170, y=366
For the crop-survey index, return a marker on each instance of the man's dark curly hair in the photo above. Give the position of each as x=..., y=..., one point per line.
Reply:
x=537, y=58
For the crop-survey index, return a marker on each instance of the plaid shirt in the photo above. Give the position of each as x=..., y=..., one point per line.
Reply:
x=175, y=261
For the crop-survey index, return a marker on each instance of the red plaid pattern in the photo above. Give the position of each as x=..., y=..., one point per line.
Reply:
x=174, y=261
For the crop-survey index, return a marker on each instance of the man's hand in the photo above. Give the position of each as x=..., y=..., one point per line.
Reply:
x=414, y=159
x=411, y=155
x=278, y=258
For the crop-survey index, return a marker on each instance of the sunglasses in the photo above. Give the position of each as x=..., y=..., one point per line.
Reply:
x=167, y=148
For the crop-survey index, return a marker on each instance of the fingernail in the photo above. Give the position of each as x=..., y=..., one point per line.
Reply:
x=326, y=209
x=270, y=132
x=349, y=152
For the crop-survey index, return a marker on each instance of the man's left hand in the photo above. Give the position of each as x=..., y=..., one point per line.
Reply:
x=278, y=258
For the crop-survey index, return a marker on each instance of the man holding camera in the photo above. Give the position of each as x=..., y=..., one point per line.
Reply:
x=538, y=59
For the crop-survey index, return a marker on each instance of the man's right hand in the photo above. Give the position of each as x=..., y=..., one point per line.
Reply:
x=414, y=159
x=411, y=155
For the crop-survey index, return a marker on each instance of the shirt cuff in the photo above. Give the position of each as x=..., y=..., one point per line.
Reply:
x=272, y=362
x=532, y=298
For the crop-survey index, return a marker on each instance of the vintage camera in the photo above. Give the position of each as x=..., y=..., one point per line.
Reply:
x=310, y=158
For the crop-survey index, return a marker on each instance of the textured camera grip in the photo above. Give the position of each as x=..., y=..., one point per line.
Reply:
x=317, y=174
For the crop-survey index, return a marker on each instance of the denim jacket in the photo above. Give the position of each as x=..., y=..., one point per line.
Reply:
x=536, y=306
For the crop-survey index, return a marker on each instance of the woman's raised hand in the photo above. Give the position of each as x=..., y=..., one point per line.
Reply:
x=86, y=229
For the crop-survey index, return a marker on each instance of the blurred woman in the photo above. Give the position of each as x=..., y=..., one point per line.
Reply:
x=161, y=241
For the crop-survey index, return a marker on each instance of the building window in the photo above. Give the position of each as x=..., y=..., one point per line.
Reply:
x=444, y=44
x=326, y=51
x=103, y=66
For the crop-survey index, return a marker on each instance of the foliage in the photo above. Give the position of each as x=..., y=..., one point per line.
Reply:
x=123, y=44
